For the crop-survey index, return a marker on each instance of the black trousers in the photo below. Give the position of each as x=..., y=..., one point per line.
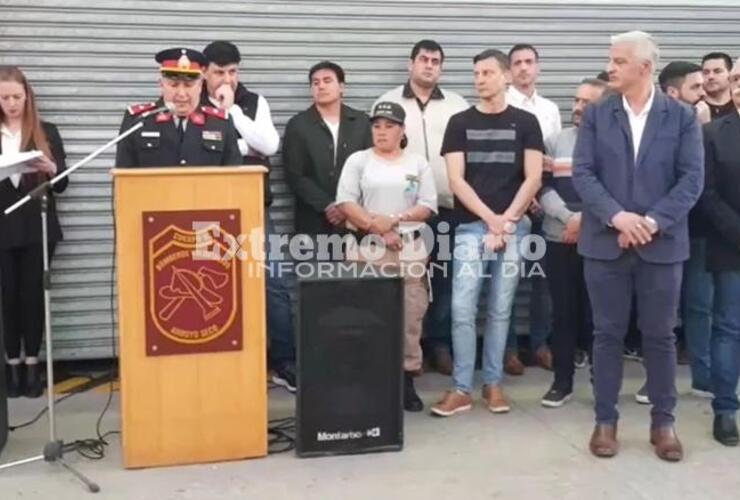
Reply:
x=572, y=323
x=438, y=318
x=22, y=273
x=633, y=339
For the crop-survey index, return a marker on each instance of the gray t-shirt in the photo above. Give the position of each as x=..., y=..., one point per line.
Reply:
x=558, y=197
x=387, y=187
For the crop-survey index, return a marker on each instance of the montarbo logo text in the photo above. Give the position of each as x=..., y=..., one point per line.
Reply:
x=322, y=436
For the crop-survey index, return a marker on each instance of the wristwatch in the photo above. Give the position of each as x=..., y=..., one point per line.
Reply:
x=653, y=223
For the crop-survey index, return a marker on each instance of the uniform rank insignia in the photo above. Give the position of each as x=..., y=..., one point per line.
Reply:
x=218, y=113
x=212, y=135
x=138, y=109
x=197, y=118
x=163, y=117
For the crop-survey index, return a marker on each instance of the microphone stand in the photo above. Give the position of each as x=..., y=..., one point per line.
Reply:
x=54, y=449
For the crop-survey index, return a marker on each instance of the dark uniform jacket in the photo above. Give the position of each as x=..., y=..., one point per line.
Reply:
x=209, y=140
x=311, y=167
x=23, y=227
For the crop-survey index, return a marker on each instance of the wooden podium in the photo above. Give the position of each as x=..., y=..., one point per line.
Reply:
x=191, y=314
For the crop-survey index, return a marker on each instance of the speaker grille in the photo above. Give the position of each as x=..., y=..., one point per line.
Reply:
x=350, y=354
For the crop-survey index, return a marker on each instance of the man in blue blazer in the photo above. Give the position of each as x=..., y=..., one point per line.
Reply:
x=638, y=167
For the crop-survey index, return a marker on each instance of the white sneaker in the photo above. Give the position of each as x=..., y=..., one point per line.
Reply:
x=641, y=396
x=702, y=394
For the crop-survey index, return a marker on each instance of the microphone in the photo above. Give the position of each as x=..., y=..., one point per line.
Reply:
x=168, y=106
x=42, y=188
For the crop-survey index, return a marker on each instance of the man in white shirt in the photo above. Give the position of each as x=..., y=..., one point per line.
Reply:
x=638, y=168
x=249, y=111
x=258, y=139
x=522, y=93
x=428, y=109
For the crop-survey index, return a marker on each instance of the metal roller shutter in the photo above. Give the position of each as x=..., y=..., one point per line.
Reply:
x=88, y=61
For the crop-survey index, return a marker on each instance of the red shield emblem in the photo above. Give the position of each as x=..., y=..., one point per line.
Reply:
x=192, y=282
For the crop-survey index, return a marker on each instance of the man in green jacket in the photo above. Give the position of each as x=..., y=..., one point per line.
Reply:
x=316, y=143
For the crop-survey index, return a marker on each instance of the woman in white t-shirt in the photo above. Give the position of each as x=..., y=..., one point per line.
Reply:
x=387, y=194
x=21, y=252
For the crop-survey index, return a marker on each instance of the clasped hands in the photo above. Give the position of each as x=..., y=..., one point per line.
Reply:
x=500, y=229
x=385, y=225
x=634, y=230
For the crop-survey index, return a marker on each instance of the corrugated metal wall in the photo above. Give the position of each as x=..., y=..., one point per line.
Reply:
x=89, y=60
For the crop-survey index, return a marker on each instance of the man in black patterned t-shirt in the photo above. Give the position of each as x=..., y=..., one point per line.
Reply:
x=494, y=163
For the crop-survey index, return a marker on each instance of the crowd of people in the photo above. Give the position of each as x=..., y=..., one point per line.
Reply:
x=638, y=203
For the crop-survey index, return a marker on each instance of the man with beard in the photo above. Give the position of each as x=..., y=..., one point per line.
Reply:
x=428, y=109
x=250, y=112
x=562, y=223
x=258, y=139
x=522, y=93
x=721, y=204
x=716, y=68
x=684, y=81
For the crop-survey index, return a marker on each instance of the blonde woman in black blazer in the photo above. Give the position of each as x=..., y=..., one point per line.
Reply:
x=21, y=254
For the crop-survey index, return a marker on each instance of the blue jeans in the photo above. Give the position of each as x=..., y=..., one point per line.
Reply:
x=696, y=308
x=725, y=361
x=279, y=310
x=471, y=264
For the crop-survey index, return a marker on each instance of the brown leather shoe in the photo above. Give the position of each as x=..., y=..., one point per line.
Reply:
x=543, y=356
x=495, y=399
x=667, y=445
x=442, y=360
x=451, y=403
x=604, y=442
x=513, y=365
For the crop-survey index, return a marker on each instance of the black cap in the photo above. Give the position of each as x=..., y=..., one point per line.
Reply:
x=180, y=62
x=390, y=111
x=222, y=53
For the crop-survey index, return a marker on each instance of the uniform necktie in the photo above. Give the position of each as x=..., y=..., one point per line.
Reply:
x=181, y=128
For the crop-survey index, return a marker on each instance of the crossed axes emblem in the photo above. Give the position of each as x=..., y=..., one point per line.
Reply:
x=196, y=286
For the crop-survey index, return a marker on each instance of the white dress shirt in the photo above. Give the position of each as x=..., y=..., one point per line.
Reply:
x=11, y=144
x=257, y=137
x=638, y=121
x=546, y=111
x=334, y=129
x=177, y=120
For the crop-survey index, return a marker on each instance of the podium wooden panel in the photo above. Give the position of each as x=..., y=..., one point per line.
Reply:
x=189, y=408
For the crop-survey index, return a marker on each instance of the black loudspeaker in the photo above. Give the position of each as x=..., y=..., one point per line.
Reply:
x=3, y=388
x=350, y=363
